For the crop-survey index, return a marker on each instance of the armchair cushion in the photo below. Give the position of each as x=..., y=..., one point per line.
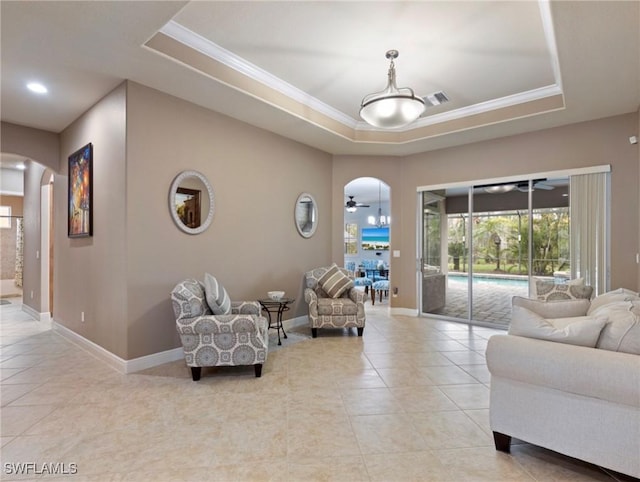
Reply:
x=334, y=282
x=341, y=306
x=217, y=297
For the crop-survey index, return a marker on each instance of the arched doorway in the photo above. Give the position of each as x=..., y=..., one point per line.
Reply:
x=367, y=230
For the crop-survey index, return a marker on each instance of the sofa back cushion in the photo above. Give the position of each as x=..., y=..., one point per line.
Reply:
x=188, y=300
x=620, y=294
x=622, y=329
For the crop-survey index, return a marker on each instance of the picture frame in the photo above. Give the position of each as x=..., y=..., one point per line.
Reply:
x=375, y=239
x=80, y=200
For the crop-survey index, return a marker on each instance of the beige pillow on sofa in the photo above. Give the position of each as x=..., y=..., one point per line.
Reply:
x=582, y=332
x=334, y=282
x=553, y=309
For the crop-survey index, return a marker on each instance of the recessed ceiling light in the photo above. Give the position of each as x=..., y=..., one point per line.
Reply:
x=37, y=87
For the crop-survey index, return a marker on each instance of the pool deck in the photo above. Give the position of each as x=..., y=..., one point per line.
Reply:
x=491, y=302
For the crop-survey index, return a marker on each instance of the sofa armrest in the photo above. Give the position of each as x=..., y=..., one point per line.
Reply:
x=356, y=296
x=214, y=324
x=245, y=308
x=311, y=298
x=590, y=372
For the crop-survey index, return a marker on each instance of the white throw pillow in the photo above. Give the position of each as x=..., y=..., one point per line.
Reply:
x=217, y=297
x=553, y=309
x=583, y=332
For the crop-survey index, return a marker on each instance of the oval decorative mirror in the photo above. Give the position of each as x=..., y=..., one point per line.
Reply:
x=191, y=202
x=306, y=215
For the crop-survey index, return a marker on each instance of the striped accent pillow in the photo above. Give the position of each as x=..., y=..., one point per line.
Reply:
x=217, y=297
x=334, y=282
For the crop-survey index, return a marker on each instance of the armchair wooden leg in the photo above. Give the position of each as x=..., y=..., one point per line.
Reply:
x=502, y=442
x=360, y=330
x=258, y=370
x=195, y=373
x=314, y=332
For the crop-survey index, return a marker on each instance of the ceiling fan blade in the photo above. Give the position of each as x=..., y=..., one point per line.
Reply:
x=543, y=186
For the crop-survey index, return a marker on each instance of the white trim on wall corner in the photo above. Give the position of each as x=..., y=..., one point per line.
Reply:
x=403, y=311
x=114, y=361
x=44, y=318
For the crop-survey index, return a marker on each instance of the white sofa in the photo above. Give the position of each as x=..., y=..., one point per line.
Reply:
x=557, y=385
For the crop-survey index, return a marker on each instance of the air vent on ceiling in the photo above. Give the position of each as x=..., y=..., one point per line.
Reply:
x=436, y=98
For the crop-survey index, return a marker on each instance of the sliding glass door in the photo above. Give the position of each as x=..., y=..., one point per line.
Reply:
x=483, y=244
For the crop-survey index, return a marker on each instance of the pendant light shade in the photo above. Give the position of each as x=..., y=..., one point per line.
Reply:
x=393, y=107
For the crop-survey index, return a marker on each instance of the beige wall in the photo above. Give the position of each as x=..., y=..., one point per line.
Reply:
x=35, y=144
x=252, y=246
x=41, y=148
x=90, y=273
x=592, y=143
x=121, y=277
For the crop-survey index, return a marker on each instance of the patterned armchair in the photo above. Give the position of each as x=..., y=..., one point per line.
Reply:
x=240, y=338
x=344, y=311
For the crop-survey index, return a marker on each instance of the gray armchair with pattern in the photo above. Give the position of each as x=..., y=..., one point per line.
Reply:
x=333, y=300
x=238, y=338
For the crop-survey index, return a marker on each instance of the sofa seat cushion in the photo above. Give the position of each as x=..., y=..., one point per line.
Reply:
x=599, y=374
x=334, y=282
x=341, y=306
x=582, y=331
x=622, y=329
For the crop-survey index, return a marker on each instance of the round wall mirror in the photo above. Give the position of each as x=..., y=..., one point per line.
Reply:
x=191, y=202
x=306, y=215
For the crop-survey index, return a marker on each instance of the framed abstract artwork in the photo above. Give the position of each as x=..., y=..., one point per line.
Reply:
x=81, y=192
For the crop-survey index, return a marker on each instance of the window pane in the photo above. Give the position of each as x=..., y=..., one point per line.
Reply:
x=5, y=216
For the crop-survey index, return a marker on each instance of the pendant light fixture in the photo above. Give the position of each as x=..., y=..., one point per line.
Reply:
x=393, y=107
x=381, y=220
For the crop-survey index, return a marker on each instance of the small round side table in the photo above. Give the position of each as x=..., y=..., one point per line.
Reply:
x=276, y=307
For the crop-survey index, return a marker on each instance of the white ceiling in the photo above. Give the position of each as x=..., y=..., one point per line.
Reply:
x=305, y=66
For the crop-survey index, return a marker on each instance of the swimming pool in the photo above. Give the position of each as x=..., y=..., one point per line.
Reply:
x=489, y=280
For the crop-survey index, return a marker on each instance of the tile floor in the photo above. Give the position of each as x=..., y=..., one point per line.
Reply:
x=406, y=402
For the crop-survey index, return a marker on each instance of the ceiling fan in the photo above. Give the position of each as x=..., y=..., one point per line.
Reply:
x=537, y=184
x=522, y=186
x=351, y=205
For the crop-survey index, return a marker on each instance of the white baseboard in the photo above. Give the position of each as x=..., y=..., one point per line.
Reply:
x=44, y=318
x=403, y=311
x=114, y=361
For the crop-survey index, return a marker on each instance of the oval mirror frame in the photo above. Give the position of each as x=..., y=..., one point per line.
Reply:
x=305, y=215
x=184, y=175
